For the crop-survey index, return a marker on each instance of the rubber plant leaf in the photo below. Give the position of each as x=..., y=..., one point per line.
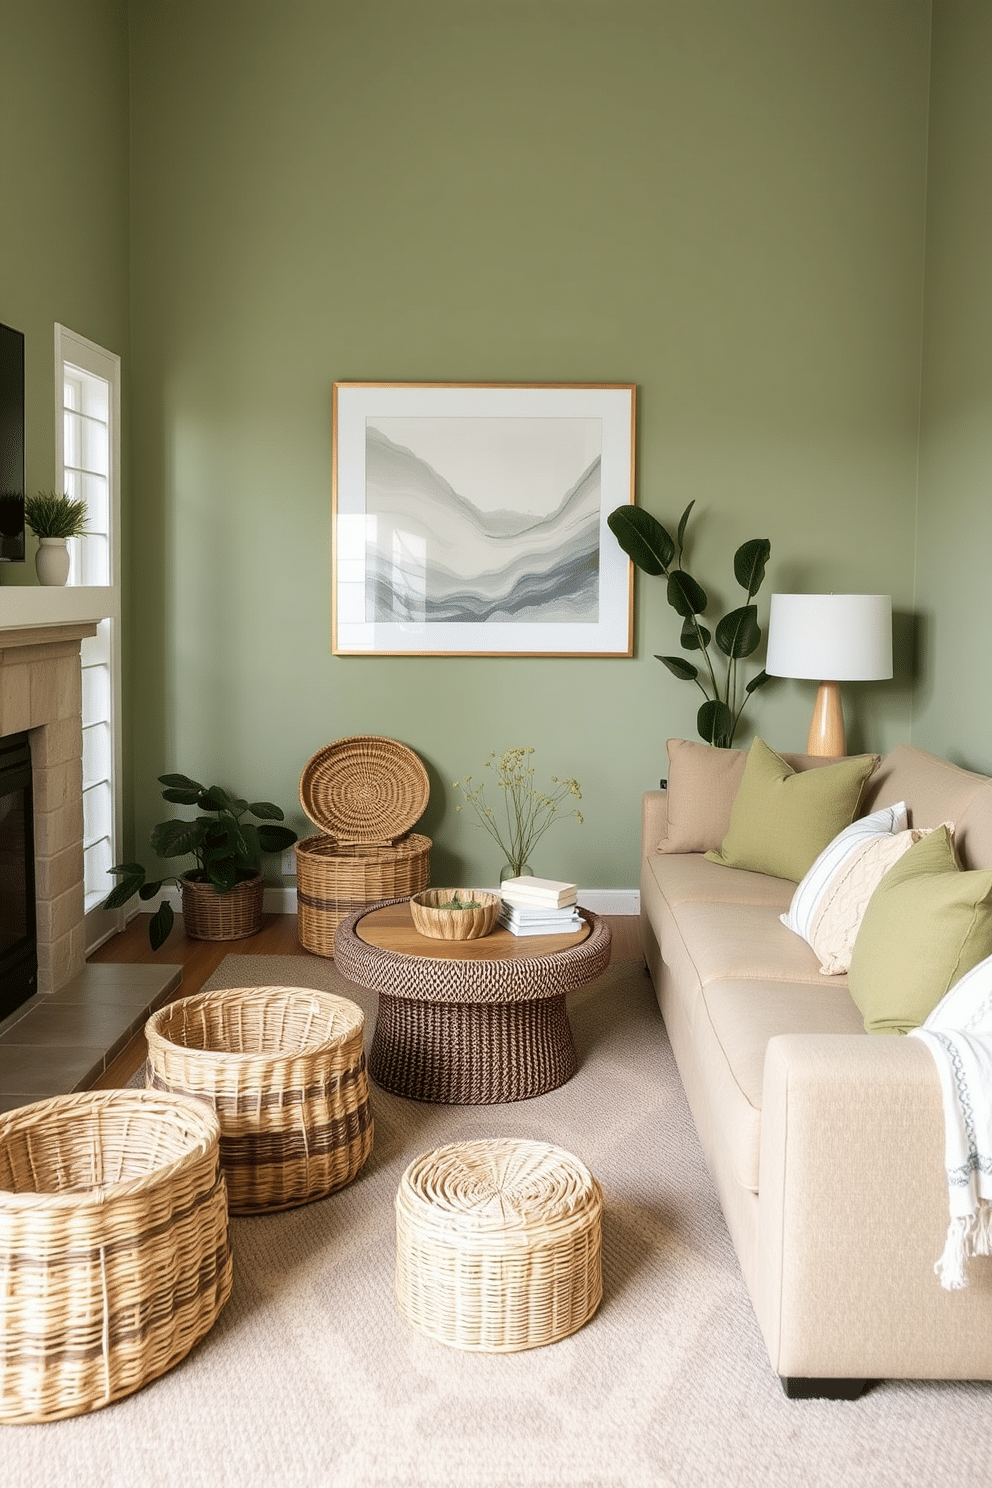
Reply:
x=180, y=782
x=715, y=722
x=758, y=681
x=749, y=563
x=160, y=925
x=679, y=668
x=685, y=596
x=738, y=634
x=694, y=635
x=265, y=811
x=173, y=839
x=642, y=538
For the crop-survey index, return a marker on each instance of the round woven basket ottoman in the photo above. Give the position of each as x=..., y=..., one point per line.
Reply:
x=284, y=1069
x=114, y=1255
x=498, y=1245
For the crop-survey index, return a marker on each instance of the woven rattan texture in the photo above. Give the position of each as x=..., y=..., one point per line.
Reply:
x=114, y=1252
x=500, y=979
x=472, y=1032
x=498, y=1245
x=209, y=915
x=364, y=789
x=471, y=1054
x=333, y=881
x=284, y=1069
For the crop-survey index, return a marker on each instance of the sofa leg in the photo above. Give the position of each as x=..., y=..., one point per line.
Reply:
x=799, y=1387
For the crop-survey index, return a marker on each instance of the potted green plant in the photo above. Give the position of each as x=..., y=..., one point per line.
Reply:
x=222, y=895
x=54, y=517
x=737, y=634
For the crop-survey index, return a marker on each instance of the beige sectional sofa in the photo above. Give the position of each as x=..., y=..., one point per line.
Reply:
x=825, y=1143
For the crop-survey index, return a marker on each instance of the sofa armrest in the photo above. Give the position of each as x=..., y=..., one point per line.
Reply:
x=853, y=1214
x=654, y=819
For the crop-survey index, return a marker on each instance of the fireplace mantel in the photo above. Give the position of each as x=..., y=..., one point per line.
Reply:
x=25, y=606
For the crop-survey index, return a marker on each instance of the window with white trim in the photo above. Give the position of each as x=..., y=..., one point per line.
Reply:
x=88, y=461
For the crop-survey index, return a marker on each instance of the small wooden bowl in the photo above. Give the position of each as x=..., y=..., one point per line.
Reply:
x=454, y=924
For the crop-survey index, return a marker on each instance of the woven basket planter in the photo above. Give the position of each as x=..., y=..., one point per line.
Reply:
x=284, y=1069
x=364, y=793
x=114, y=1253
x=498, y=1245
x=210, y=915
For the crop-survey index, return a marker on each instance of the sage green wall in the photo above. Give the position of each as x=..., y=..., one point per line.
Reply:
x=721, y=203
x=63, y=194
x=953, y=713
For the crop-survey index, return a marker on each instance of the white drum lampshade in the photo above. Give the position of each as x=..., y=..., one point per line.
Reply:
x=830, y=638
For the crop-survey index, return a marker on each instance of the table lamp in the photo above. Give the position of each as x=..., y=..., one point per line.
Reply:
x=830, y=638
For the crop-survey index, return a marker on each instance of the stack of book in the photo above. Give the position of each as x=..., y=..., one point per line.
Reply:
x=538, y=906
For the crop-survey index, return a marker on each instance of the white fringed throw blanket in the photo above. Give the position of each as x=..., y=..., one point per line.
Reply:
x=958, y=1034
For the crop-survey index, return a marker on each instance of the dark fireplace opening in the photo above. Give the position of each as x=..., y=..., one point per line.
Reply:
x=18, y=939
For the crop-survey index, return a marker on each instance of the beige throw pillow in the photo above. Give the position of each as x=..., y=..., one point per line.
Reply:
x=702, y=788
x=783, y=819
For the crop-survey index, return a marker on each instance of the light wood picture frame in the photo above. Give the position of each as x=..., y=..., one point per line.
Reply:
x=469, y=519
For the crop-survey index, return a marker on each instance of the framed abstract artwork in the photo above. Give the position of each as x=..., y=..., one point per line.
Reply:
x=469, y=519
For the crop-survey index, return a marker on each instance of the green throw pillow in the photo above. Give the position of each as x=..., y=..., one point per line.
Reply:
x=783, y=819
x=926, y=924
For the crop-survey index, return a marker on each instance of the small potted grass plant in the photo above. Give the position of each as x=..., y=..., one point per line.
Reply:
x=54, y=517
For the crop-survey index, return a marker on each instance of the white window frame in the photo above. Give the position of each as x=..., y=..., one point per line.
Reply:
x=72, y=350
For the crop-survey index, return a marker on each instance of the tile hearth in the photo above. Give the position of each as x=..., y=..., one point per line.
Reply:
x=63, y=1041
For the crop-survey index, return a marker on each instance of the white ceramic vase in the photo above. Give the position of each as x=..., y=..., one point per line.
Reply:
x=52, y=560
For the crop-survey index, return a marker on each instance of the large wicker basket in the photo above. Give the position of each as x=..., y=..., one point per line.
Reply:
x=114, y=1253
x=365, y=793
x=284, y=1069
x=498, y=1245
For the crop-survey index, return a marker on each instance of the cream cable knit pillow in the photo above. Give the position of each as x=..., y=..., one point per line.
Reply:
x=828, y=904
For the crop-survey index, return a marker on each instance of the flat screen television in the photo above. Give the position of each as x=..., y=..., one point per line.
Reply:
x=11, y=445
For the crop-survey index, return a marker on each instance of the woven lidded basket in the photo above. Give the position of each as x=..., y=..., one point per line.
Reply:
x=284, y=1069
x=114, y=1252
x=498, y=1245
x=365, y=793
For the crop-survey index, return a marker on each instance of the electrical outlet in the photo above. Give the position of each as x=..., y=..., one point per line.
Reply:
x=288, y=865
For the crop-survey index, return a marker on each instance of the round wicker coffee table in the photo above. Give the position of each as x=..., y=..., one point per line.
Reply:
x=473, y=1023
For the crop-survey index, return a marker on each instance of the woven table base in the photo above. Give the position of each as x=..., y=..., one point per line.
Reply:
x=498, y=1245
x=471, y=1054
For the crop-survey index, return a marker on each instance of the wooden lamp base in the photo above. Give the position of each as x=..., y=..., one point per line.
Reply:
x=826, y=731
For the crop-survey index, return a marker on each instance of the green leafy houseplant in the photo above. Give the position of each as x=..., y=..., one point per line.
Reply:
x=526, y=812
x=55, y=514
x=227, y=848
x=737, y=635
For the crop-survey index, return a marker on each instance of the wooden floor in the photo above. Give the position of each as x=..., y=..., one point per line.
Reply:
x=277, y=937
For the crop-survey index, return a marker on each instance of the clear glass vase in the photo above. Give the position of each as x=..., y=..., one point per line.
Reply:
x=515, y=870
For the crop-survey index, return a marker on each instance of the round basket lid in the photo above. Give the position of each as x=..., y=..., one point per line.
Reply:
x=364, y=789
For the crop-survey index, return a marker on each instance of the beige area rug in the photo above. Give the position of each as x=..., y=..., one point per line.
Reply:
x=310, y=1380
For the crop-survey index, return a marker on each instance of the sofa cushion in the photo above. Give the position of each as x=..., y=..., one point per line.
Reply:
x=745, y=941
x=927, y=923
x=936, y=790
x=702, y=786
x=733, y=1025
x=690, y=877
x=783, y=818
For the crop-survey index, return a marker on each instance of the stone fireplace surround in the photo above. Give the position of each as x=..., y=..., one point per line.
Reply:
x=82, y=1014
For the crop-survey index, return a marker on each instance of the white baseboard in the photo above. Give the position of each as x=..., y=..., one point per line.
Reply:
x=283, y=901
